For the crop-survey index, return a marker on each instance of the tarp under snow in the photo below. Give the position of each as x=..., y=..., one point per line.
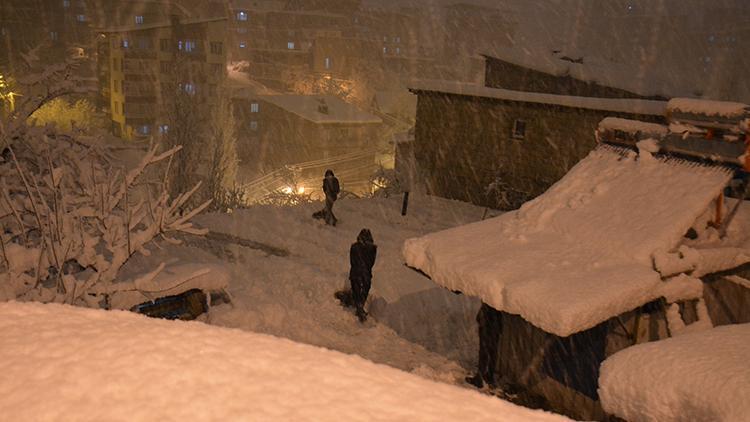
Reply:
x=581, y=252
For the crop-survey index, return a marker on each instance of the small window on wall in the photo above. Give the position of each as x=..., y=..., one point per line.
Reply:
x=254, y=125
x=241, y=15
x=519, y=129
x=290, y=45
x=139, y=20
x=254, y=107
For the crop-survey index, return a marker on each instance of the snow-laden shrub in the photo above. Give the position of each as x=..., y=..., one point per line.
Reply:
x=71, y=217
x=385, y=183
x=72, y=220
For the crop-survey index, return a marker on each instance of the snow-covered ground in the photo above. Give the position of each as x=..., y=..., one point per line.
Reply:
x=416, y=325
x=66, y=363
x=701, y=376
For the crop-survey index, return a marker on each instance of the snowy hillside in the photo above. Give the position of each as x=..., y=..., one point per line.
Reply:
x=417, y=326
x=65, y=363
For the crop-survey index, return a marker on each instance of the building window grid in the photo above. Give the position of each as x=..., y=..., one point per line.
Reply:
x=254, y=108
x=139, y=20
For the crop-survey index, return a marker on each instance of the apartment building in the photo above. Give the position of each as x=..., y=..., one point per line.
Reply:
x=141, y=64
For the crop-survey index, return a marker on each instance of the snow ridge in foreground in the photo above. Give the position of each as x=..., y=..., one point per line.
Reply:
x=65, y=363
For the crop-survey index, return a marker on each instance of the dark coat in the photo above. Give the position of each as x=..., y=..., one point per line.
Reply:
x=331, y=187
x=362, y=259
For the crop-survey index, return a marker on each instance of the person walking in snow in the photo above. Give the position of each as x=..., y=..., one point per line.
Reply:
x=490, y=329
x=331, y=189
x=362, y=256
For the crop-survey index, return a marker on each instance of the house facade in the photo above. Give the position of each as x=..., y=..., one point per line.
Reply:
x=505, y=142
x=280, y=130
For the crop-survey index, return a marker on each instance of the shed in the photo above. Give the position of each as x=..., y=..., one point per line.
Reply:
x=582, y=271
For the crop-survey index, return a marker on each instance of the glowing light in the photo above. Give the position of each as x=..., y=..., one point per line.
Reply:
x=300, y=190
x=288, y=190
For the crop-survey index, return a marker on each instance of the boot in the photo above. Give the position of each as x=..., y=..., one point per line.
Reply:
x=361, y=314
x=475, y=380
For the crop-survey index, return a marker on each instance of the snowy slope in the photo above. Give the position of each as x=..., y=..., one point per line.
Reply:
x=581, y=252
x=701, y=376
x=65, y=363
x=293, y=296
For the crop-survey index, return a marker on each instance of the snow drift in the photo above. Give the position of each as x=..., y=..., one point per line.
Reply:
x=700, y=376
x=65, y=363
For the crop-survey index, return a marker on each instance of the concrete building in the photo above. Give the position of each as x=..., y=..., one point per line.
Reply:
x=141, y=62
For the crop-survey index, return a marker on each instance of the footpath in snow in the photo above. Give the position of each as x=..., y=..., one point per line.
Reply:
x=416, y=325
x=65, y=363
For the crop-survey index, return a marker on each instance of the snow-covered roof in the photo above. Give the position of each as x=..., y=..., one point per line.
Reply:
x=632, y=126
x=584, y=67
x=708, y=108
x=581, y=252
x=312, y=107
x=633, y=106
x=697, y=376
x=166, y=24
x=66, y=363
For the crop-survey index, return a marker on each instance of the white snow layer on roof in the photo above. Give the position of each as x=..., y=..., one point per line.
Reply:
x=321, y=108
x=634, y=106
x=632, y=126
x=701, y=376
x=65, y=363
x=581, y=252
x=708, y=107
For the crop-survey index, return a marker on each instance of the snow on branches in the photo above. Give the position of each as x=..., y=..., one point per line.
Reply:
x=71, y=220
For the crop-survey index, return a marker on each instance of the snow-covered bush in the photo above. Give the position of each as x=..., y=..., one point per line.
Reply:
x=71, y=217
x=385, y=183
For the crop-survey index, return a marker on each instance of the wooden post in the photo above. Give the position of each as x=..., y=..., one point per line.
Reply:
x=719, y=209
x=405, y=204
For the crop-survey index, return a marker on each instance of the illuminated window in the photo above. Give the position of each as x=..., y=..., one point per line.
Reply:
x=327, y=62
x=187, y=46
x=241, y=15
x=254, y=108
x=144, y=130
x=139, y=20
x=66, y=3
x=243, y=44
x=53, y=35
x=290, y=45
x=125, y=43
x=163, y=129
x=519, y=129
x=81, y=18
x=189, y=88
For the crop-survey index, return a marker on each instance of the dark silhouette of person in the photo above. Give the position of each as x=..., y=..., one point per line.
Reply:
x=362, y=256
x=490, y=328
x=331, y=189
